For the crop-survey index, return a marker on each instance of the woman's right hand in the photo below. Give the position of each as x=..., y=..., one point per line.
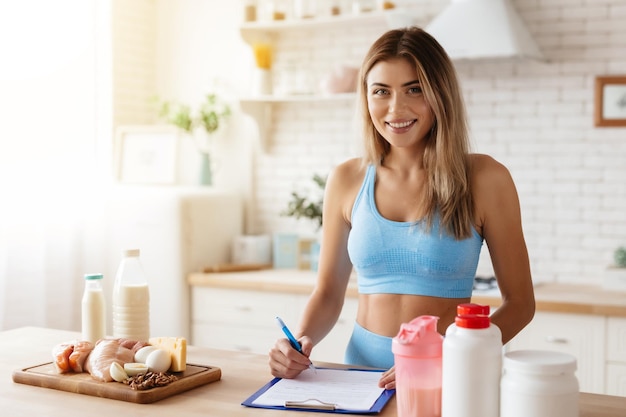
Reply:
x=287, y=362
x=388, y=379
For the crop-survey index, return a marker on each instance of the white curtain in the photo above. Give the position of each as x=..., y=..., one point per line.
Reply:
x=54, y=156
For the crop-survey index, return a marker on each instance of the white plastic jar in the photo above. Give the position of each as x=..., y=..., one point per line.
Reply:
x=471, y=365
x=539, y=383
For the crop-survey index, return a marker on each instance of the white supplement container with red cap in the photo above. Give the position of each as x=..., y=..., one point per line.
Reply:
x=539, y=383
x=471, y=365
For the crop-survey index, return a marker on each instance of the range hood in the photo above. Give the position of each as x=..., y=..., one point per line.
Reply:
x=483, y=29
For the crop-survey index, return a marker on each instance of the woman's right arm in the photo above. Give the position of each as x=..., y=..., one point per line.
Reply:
x=326, y=301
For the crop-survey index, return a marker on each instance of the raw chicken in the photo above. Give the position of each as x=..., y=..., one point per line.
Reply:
x=107, y=351
x=61, y=355
x=132, y=344
x=77, y=358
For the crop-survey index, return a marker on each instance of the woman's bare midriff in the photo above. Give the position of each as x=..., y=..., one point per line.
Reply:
x=384, y=313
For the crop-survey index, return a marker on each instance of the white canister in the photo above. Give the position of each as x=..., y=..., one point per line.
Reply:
x=252, y=249
x=539, y=383
x=262, y=82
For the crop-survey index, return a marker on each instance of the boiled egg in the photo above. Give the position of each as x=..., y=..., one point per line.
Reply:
x=159, y=360
x=142, y=354
x=135, y=368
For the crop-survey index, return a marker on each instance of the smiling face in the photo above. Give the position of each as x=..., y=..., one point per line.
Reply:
x=396, y=104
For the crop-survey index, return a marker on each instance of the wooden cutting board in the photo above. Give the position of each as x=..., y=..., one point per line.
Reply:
x=46, y=376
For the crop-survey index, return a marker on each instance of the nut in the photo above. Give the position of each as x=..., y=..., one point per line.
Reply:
x=149, y=380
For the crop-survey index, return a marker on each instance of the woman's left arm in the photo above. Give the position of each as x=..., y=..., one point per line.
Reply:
x=499, y=219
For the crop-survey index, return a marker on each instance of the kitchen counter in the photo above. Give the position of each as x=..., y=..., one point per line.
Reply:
x=552, y=297
x=242, y=375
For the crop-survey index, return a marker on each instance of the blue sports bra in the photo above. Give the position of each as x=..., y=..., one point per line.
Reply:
x=393, y=257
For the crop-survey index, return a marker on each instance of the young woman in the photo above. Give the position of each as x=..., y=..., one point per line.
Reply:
x=411, y=215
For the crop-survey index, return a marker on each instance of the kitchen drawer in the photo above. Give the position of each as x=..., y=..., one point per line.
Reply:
x=616, y=339
x=237, y=307
x=616, y=379
x=252, y=339
x=580, y=335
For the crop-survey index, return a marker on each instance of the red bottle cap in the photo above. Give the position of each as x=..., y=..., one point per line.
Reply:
x=472, y=309
x=472, y=321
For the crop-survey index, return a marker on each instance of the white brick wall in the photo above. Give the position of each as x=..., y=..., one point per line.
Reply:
x=535, y=117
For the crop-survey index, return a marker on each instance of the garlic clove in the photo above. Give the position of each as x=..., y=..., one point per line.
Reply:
x=117, y=372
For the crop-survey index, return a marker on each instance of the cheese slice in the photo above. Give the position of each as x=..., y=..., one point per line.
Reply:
x=177, y=347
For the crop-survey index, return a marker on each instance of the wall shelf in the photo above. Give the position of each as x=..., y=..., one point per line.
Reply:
x=260, y=31
x=261, y=108
x=268, y=99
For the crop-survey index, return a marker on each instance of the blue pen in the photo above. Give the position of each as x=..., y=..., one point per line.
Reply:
x=292, y=340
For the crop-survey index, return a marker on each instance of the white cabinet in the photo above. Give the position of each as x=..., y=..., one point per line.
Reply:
x=178, y=230
x=243, y=320
x=240, y=320
x=580, y=335
x=616, y=356
x=616, y=379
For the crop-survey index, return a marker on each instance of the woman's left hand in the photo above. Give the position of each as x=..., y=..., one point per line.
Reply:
x=388, y=379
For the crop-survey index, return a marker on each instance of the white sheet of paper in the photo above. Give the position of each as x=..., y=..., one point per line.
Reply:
x=346, y=389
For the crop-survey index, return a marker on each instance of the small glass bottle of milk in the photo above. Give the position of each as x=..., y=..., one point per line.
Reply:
x=93, y=309
x=131, y=299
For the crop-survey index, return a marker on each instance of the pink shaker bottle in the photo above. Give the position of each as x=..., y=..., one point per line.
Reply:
x=417, y=353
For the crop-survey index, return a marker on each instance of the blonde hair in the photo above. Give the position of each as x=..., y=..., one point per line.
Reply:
x=447, y=147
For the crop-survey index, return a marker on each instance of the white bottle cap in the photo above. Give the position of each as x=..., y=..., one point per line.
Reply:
x=131, y=252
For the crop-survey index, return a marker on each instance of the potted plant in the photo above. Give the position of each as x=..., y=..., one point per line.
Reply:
x=615, y=277
x=301, y=206
x=208, y=119
x=619, y=256
x=211, y=113
x=304, y=206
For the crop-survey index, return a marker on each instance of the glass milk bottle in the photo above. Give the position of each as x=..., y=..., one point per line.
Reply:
x=417, y=353
x=131, y=299
x=93, y=309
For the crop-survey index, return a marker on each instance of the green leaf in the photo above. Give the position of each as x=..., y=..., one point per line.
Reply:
x=620, y=257
x=302, y=207
x=209, y=115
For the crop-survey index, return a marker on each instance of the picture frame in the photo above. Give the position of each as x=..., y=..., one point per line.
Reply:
x=147, y=154
x=305, y=246
x=610, y=101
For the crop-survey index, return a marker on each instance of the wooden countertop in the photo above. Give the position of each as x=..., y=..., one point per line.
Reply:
x=295, y=281
x=553, y=297
x=242, y=375
x=572, y=298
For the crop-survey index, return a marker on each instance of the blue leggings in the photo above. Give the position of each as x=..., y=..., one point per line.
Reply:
x=368, y=349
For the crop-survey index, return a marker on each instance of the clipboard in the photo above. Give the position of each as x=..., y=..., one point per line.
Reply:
x=316, y=405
